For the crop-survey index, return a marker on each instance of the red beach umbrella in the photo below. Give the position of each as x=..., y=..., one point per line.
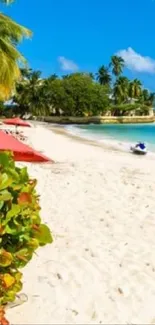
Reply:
x=21, y=151
x=16, y=121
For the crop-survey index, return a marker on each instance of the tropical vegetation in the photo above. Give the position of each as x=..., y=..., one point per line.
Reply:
x=11, y=33
x=107, y=92
x=21, y=228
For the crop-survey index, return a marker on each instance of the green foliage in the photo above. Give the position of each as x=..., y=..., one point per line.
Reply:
x=135, y=89
x=11, y=34
x=103, y=76
x=117, y=63
x=21, y=230
x=74, y=95
x=125, y=109
x=1, y=108
x=121, y=90
x=80, y=94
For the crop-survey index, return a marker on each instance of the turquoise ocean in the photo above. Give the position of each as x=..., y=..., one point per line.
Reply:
x=122, y=135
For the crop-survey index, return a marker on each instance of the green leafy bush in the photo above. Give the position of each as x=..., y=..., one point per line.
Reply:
x=21, y=230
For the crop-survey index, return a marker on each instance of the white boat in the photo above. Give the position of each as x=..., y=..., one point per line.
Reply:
x=138, y=149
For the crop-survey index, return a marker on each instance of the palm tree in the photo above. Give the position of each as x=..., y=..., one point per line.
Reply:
x=11, y=34
x=65, y=76
x=25, y=73
x=35, y=79
x=117, y=64
x=152, y=98
x=121, y=90
x=7, y=2
x=91, y=75
x=33, y=94
x=145, y=94
x=135, y=89
x=52, y=77
x=103, y=76
x=148, y=98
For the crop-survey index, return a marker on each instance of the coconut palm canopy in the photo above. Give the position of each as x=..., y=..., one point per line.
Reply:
x=11, y=33
x=103, y=76
x=7, y=2
x=117, y=64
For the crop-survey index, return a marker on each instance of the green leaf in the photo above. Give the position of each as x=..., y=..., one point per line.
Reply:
x=5, y=258
x=15, y=210
x=10, y=296
x=5, y=196
x=8, y=280
x=33, y=243
x=43, y=235
x=5, y=181
x=1, y=204
x=12, y=172
x=25, y=237
x=24, y=254
x=36, y=218
x=16, y=187
x=4, y=159
x=18, y=286
x=24, y=177
x=13, y=229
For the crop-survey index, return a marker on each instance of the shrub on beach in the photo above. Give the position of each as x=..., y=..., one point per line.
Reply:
x=21, y=230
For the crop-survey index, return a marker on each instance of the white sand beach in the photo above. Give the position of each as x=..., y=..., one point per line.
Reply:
x=100, y=206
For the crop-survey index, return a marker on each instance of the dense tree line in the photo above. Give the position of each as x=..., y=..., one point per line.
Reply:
x=82, y=94
x=77, y=94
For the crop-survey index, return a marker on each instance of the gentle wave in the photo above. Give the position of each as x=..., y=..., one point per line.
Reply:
x=105, y=139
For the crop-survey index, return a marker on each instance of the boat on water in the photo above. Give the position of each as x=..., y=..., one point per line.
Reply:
x=139, y=148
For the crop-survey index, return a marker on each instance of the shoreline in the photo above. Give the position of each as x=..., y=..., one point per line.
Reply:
x=106, y=144
x=97, y=119
x=61, y=130
x=99, y=205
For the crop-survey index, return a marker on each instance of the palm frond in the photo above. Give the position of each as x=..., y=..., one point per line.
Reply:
x=13, y=31
x=7, y=2
x=11, y=34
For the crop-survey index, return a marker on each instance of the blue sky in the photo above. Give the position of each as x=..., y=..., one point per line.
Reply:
x=70, y=35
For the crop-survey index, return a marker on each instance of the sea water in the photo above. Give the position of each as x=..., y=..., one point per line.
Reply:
x=122, y=135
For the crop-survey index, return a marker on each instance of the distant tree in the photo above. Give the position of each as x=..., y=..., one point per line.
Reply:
x=65, y=76
x=91, y=75
x=121, y=90
x=103, y=76
x=127, y=109
x=29, y=94
x=25, y=73
x=152, y=99
x=78, y=95
x=117, y=64
x=56, y=95
x=135, y=89
x=145, y=94
x=52, y=77
x=147, y=98
x=7, y=2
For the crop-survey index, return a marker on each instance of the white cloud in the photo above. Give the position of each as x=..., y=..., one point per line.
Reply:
x=67, y=65
x=137, y=62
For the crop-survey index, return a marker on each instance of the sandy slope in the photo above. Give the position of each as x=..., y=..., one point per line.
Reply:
x=100, y=206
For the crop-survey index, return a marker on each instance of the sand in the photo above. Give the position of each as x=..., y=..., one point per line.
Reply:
x=100, y=207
